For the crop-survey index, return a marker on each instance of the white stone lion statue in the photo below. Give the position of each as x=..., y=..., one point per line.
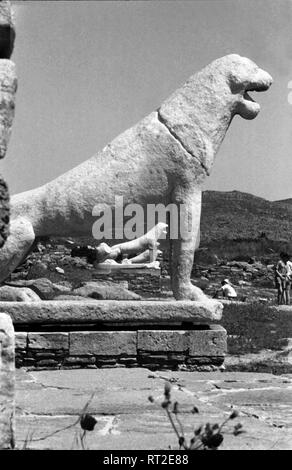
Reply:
x=165, y=158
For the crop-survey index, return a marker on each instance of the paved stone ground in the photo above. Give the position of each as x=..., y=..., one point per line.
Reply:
x=48, y=401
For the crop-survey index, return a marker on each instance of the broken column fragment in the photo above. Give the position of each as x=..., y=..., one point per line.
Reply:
x=8, y=85
x=7, y=378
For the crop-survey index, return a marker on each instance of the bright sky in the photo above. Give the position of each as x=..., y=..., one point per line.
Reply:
x=89, y=70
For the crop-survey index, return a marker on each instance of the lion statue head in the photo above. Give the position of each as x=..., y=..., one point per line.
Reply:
x=200, y=112
x=244, y=76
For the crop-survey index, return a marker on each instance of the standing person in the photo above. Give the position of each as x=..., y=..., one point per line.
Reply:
x=283, y=278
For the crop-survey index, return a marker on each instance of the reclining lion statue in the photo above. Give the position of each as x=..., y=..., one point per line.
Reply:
x=165, y=158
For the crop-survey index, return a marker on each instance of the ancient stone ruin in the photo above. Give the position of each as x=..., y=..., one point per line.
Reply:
x=7, y=402
x=170, y=152
x=8, y=85
x=165, y=158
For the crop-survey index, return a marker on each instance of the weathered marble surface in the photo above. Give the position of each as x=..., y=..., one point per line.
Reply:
x=48, y=401
x=165, y=158
x=7, y=378
x=22, y=294
x=34, y=290
x=57, y=312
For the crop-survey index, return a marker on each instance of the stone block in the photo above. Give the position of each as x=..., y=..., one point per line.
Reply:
x=103, y=343
x=44, y=355
x=20, y=340
x=177, y=358
x=48, y=341
x=151, y=358
x=211, y=342
x=201, y=342
x=106, y=362
x=79, y=360
x=161, y=340
x=7, y=382
x=29, y=361
x=128, y=360
x=52, y=312
x=47, y=363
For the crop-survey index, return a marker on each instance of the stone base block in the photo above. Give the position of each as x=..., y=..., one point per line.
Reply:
x=113, y=333
x=192, y=349
x=58, y=313
x=210, y=341
x=103, y=343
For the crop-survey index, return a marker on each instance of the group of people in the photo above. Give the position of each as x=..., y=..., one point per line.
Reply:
x=283, y=278
x=283, y=281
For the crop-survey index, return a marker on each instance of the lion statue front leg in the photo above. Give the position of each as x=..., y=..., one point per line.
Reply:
x=182, y=249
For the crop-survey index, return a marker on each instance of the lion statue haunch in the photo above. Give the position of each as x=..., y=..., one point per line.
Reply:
x=165, y=158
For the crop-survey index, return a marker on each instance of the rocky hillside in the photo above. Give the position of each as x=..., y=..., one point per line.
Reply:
x=235, y=215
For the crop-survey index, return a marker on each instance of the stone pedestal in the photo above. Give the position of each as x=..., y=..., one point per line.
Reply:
x=152, y=334
x=105, y=312
x=7, y=378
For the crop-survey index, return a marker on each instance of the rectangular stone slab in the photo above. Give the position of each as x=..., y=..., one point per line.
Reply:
x=56, y=312
x=103, y=343
x=48, y=341
x=209, y=342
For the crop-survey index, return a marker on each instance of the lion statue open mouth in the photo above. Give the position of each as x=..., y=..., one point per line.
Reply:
x=241, y=84
x=164, y=158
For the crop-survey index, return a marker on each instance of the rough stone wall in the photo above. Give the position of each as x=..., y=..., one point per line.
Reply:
x=196, y=349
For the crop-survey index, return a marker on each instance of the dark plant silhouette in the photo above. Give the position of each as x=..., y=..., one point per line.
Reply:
x=87, y=423
x=205, y=437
